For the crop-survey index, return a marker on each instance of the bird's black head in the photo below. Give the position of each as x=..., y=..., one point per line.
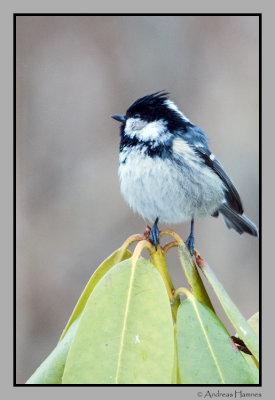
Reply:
x=156, y=107
x=149, y=108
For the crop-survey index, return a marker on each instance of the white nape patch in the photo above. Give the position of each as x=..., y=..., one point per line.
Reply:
x=170, y=104
x=136, y=127
x=212, y=157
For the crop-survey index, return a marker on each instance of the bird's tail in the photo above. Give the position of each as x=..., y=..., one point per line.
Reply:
x=237, y=221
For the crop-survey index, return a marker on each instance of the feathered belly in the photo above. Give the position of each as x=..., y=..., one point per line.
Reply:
x=156, y=187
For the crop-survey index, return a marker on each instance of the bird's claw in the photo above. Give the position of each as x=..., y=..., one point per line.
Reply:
x=154, y=234
x=190, y=243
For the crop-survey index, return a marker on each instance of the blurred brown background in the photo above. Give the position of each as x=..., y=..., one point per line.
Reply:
x=72, y=73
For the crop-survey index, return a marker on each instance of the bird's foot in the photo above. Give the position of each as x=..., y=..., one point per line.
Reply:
x=190, y=243
x=154, y=234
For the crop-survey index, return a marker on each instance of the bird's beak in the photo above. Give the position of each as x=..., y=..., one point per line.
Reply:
x=119, y=118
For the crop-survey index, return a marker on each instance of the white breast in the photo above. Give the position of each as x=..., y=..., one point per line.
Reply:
x=156, y=187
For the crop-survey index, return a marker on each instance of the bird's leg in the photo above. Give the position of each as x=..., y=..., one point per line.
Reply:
x=154, y=233
x=190, y=241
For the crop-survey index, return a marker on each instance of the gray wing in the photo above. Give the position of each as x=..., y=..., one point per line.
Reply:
x=197, y=139
x=232, y=196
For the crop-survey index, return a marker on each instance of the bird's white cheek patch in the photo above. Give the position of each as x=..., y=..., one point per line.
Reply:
x=155, y=130
x=134, y=126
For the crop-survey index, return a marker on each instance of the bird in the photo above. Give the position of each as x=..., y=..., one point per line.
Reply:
x=168, y=173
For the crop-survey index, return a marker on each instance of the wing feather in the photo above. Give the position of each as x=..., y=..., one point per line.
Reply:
x=232, y=195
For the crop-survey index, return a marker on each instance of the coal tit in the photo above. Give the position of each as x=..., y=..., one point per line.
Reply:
x=168, y=173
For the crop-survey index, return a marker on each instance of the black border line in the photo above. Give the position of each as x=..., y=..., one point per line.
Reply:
x=260, y=198
x=137, y=14
x=14, y=200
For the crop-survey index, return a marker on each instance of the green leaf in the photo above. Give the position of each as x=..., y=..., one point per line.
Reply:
x=176, y=374
x=253, y=366
x=158, y=259
x=206, y=354
x=244, y=330
x=254, y=323
x=51, y=370
x=125, y=334
x=119, y=255
x=251, y=361
x=193, y=277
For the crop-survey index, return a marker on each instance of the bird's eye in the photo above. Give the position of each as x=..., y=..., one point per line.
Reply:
x=137, y=115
